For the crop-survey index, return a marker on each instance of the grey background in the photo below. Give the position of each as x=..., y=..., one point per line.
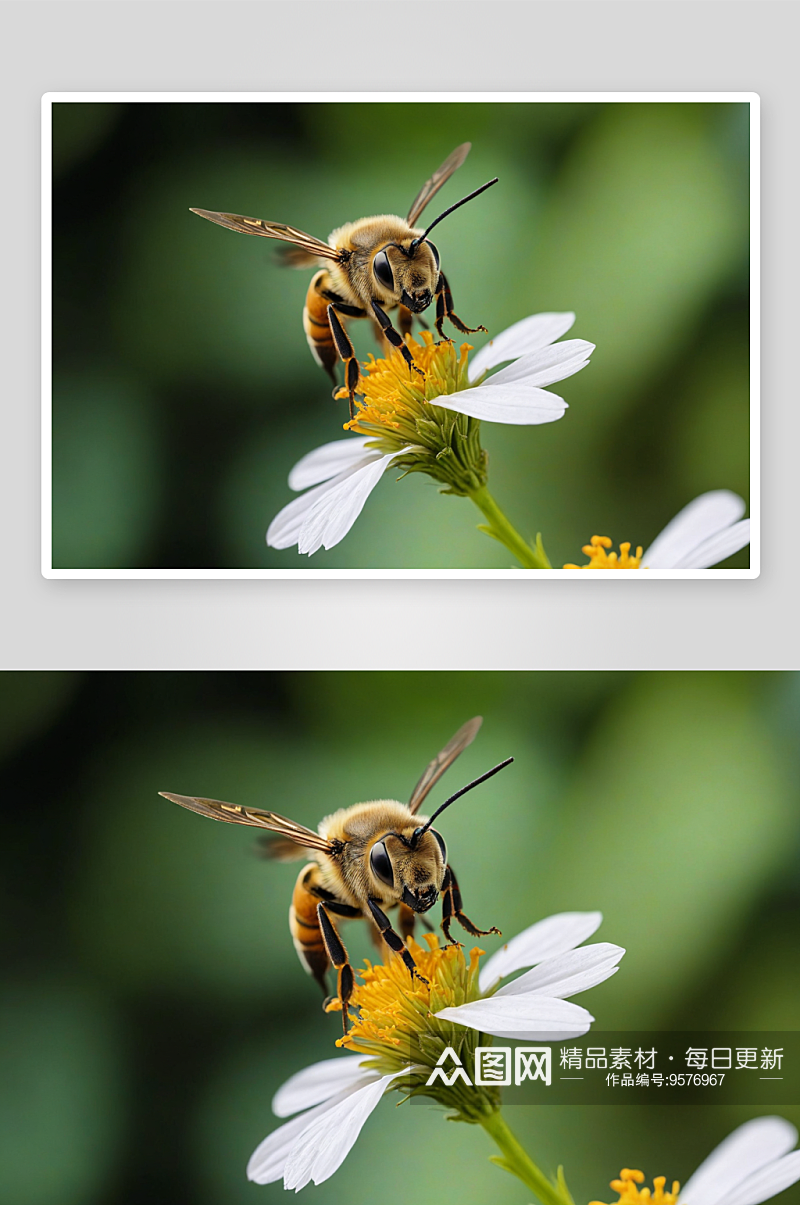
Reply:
x=368, y=46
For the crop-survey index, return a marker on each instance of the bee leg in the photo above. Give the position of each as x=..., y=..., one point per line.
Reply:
x=338, y=956
x=347, y=353
x=393, y=940
x=405, y=921
x=444, y=309
x=394, y=338
x=451, y=909
x=405, y=319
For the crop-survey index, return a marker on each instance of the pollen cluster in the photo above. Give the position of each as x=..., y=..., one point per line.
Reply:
x=395, y=1010
x=630, y=1194
x=394, y=396
x=601, y=558
x=397, y=1027
x=396, y=407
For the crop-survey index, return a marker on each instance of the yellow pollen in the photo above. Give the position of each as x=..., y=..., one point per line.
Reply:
x=629, y=1194
x=393, y=1007
x=391, y=391
x=601, y=558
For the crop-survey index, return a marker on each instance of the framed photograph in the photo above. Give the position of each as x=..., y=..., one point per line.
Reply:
x=537, y=314
x=162, y=1038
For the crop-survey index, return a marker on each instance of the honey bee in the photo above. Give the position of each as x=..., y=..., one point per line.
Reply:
x=367, y=859
x=367, y=268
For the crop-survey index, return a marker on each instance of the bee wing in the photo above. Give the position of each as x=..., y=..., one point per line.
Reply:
x=255, y=817
x=465, y=736
x=430, y=188
x=280, y=849
x=287, y=234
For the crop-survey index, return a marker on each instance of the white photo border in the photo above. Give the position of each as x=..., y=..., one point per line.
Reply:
x=50, y=98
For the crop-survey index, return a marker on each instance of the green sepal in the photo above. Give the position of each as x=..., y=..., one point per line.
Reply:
x=501, y=1162
x=488, y=531
x=562, y=1186
x=539, y=546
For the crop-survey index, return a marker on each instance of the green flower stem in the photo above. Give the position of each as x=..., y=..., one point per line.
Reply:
x=517, y=1161
x=498, y=526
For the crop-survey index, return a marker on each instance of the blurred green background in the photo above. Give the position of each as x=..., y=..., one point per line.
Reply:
x=151, y=999
x=183, y=387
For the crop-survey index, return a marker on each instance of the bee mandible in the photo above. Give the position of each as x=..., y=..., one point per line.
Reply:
x=367, y=859
x=366, y=269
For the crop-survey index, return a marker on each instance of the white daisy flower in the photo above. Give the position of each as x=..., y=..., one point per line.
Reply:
x=705, y=532
x=751, y=1165
x=402, y=1030
x=428, y=423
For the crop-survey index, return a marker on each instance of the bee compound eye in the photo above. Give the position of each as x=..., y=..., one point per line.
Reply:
x=441, y=844
x=380, y=864
x=383, y=271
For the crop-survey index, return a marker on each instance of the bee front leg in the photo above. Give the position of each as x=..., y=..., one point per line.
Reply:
x=393, y=940
x=394, y=338
x=347, y=353
x=451, y=909
x=338, y=956
x=444, y=309
x=405, y=319
x=405, y=921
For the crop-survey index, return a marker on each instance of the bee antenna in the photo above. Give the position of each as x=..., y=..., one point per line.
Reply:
x=417, y=834
x=446, y=213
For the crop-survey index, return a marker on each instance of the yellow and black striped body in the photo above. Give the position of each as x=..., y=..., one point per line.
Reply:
x=316, y=325
x=304, y=925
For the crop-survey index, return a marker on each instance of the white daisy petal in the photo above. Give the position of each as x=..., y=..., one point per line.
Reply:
x=327, y=461
x=546, y=939
x=570, y=973
x=526, y=336
x=767, y=1182
x=748, y=1149
x=515, y=404
x=326, y=1143
x=317, y=1083
x=530, y=1017
x=547, y=365
x=285, y=528
x=268, y=1160
x=717, y=548
x=334, y=512
x=704, y=517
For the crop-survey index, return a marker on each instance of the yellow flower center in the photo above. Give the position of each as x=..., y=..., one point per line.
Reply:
x=601, y=558
x=396, y=1025
x=629, y=1194
x=395, y=1011
x=394, y=396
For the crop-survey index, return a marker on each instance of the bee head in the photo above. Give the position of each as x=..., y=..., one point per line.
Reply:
x=412, y=864
x=410, y=278
x=413, y=873
x=409, y=271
